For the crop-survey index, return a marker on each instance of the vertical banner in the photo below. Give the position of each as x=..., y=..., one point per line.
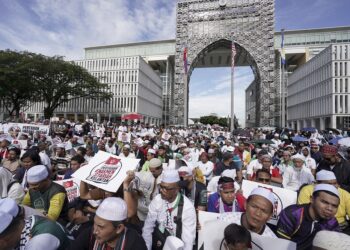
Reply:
x=233, y=54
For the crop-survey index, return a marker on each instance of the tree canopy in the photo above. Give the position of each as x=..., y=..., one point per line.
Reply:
x=45, y=79
x=221, y=121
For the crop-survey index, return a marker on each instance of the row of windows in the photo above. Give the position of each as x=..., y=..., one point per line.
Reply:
x=316, y=107
x=341, y=52
x=120, y=76
x=341, y=104
x=124, y=89
x=341, y=85
x=341, y=68
x=110, y=64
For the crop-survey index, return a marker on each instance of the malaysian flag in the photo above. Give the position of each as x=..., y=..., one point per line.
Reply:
x=185, y=60
x=283, y=53
x=233, y=49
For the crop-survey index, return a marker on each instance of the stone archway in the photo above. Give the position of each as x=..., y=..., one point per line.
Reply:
x=203, y=24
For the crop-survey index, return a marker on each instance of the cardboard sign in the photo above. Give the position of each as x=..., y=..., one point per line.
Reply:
x=72, y=187
x=106, y=171
x=124, y=137
x=212, y=230
x=166, y=136
x=283, y=197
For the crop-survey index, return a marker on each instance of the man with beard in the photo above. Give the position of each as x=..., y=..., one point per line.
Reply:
x=170, y=213
x=332, y=161
x=300, y=223
x=110, y=230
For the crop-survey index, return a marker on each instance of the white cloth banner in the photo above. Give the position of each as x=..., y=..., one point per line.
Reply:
x=72, y=187
x=106, y=171
x=16, y=128
x=283, y=197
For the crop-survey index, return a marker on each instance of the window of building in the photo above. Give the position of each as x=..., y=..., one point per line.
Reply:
x=340, y=69
x=345, y=69
x=340, y=85
x=335, y=85
x=335, y=69
x=346, y=85
x=336, y=104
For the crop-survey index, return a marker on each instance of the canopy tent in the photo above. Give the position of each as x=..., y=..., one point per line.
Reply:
x=132, y=116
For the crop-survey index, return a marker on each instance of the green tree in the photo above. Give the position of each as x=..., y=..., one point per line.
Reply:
x=209, y=119
x=59, y=82
x=16, y=86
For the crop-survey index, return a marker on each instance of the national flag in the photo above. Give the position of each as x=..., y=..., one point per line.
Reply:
x=185, y=60
x=283, y=53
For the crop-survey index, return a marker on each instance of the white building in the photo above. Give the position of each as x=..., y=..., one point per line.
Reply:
x=318, y=91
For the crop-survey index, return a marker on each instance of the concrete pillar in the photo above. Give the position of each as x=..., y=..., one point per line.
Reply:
x=304, y=123
x=313, y=123
x=98, y=118
x=322, y=123
x=75, y=117
x=298, y=124
x=333, y=121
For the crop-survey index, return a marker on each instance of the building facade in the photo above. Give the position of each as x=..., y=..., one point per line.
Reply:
x=135, y=86
x=318, y=91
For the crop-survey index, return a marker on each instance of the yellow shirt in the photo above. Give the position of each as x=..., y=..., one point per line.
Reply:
x=344, y=205
x=56, y=205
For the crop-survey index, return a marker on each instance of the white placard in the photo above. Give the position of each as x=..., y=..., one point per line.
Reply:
x=283, y=197
x=124, y=137
x=203, y=218
x=261, y=242
x=166, y=136
x=106, y=171
x=72, y=187
x=16, y=128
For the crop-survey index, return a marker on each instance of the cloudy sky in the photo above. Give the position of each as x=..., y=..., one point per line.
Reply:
x=65, y=27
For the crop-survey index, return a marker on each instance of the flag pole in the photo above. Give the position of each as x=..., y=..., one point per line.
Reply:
x=283, y=62
x=232, y=124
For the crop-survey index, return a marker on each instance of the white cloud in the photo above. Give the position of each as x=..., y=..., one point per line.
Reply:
x=65, y=27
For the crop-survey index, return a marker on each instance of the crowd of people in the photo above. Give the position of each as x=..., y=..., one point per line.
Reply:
x=181, y=172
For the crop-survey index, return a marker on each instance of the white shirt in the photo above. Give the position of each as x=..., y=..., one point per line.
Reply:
x=236, y=218
x=253, y=166
x=310, y=163
x=157, y=213
x=130, y=155
x=206, y=168
x=293, y=179
x=45, y=159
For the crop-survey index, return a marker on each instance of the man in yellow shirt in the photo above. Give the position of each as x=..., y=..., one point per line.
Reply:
x=46, y=196
x=328, y=177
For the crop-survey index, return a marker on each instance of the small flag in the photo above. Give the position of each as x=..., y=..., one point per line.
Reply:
x=185, y=60
x=283, y=54
x=233, y=48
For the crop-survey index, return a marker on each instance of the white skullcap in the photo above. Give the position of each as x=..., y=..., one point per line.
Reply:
x=326, y=187
x=151, y=151
x=236, y=144
x=211, y=151
x=166, y=143
x=9, y=206
x=325, y=175
x=186, y=170
x=6, y=220
x=155, y=162
x=113, y=209
x=331, y=240
x=146, y=141
x=229, y=173
x=276, y=135
x=127, y=146
x=230, y=149
x=264, y=192
x=183, y=145
x=37, y=173
x=61, y=145
x=170, y=176
x=298, y=156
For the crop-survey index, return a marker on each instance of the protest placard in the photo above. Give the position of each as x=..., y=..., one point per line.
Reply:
x=166, y=136
x=211, y=235
x=72, y=187
x=124, y=137
x=106, y=171
x=15, y=128
x=283, y=197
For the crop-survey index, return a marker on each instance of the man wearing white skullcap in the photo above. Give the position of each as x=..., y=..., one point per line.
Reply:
x=297, y=175
x=259, y=208
x=300, y=223
x=126, y=152
x=151, y=153
x=35, y=232
x=10, y=206
x=192, y=189
x=170, y=213
x=45, y=195
x=110, y=230
x=328, y=177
